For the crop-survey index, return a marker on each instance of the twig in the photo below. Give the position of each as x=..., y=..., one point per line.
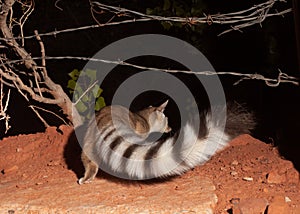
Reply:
x=56, y=5
x=3, y=109
x=43, y=52
x=51, y=112
x=39, y=116
x=84, y=93
x=11, y=76
x=24, y=18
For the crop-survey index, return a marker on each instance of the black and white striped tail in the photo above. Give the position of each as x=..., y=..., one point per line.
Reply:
x=172, y=155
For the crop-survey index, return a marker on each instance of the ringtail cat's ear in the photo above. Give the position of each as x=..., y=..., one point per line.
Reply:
x=162, y=107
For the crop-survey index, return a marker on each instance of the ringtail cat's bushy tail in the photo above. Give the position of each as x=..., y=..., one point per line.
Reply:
x=171, y=155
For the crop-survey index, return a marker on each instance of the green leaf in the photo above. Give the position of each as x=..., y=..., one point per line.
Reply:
x=81, y=107
x=71, y=84
x=96, y=91
x=100, y=103
x=78, y=89
x=99, y=92
x=91, y=74
x=74, y=74
x=85, y=98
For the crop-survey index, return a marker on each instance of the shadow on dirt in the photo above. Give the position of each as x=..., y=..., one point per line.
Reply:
x=72, y=153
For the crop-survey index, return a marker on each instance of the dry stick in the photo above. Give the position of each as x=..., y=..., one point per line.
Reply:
x=32, y=108
x=3, y=109
x=43, y=52
x=7, y=34
x=85, y=92
x=24, y=17
x=39, y=116
x=51, y=112
x=11, y=76
x=44, y=71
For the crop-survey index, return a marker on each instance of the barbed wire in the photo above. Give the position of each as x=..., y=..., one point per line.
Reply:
x=237, y=20
x=281, y=78
x=244, y=18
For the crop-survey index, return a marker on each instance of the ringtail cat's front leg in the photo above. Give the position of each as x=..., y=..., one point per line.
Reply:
x=91, y=169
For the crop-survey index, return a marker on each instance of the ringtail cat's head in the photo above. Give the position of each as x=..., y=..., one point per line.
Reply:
x=157, y=120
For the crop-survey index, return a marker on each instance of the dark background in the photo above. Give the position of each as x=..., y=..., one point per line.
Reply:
x=258, y=49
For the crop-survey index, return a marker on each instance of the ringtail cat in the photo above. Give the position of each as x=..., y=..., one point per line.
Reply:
x=119, y=142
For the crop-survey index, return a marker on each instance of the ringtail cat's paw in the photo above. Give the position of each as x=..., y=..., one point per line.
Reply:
x=84, y=180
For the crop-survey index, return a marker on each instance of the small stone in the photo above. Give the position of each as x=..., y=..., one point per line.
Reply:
x=292, y=176
x=256, y=205
x=222, y=168
x=278, y=206
x=287, y=199
x=265, y=190
x=53, y=163
x=234, y=163
x=235, y=201
x=274, y=177
x=246, y=168
x=233, y=173
x=247, y=179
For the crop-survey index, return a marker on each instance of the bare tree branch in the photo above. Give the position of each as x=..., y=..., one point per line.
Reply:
x=4, y=106
x=28, y=10
x=12, y=75
x=51, y=112
x=7, y=34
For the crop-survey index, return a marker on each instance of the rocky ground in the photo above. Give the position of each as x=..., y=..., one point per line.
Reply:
x=38, y=174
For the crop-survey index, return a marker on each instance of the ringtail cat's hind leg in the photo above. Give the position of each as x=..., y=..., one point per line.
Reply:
x=91, y=169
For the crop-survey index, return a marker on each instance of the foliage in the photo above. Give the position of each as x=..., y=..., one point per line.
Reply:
x=83, y=99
